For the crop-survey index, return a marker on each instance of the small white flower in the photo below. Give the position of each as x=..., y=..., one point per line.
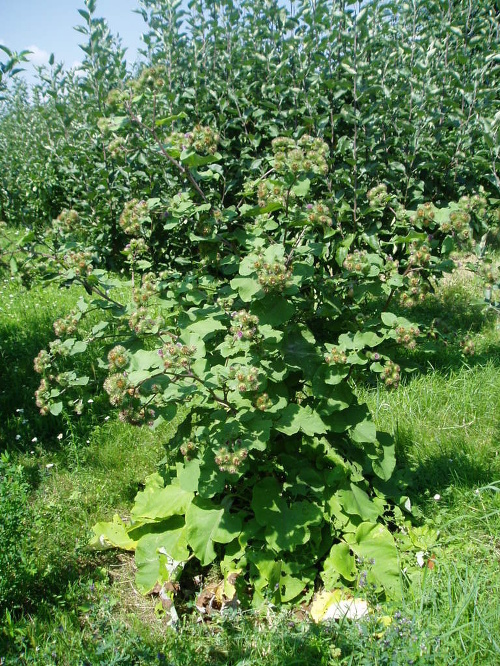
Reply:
x=49, y=465
x=60, y=436
x=437, y=497
x=420, y=558
x=19, y=411
x=18, y=437
x=35, y=439
x=106, y=418
x=90, y=401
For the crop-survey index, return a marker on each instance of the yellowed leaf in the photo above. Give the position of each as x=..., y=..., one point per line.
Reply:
x=336, y=605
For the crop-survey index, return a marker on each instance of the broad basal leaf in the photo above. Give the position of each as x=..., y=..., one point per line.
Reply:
x=286, y=526
x=207, y=524
x=154, y=562
x=112, y=535
x=274, y=579
x=295, y=417
x=340, y=561
x=154, y=503
x=357, y=502
x=375, y=544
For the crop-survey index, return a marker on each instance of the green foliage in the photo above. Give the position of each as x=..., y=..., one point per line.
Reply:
x=85, y=608
x=16, y=565
x=272, y=217
x=67, y=612
x=11, y=67
x=319, y=67
x=50, y=142
x=277, y=460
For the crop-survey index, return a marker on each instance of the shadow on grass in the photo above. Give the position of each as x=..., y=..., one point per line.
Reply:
x=447, y=359
x=18, y=379
x=52, y=585
x=23, y=333
x=455, y=319
x=455, y=463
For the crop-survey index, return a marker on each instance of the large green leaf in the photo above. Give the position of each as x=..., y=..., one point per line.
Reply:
x=206, y=326
x=375, y=544
x=295, y=417
x=340, y=562
x=356, y=501
x=365, y=431
x=154, y=560
x=267, y=575
x=367, y=339
x=143, y=359
x=273, y=579
x=112, y=535
x=56, y=408
x=273, y=310
x=301, y=351
x=207, y=524
x=189, y=475
x=384, y=461
x=192, y=159
x=301, y=187
x=202, y=321
x=286, y=526
x=156, y=503
x=246, y=287
x=258, y=427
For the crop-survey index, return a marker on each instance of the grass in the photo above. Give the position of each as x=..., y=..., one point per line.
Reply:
x=446, y=426
x=74, y=606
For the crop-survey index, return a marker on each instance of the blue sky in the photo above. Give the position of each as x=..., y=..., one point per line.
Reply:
x=46, y=26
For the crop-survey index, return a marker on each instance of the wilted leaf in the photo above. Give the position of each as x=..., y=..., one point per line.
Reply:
x=337, y=605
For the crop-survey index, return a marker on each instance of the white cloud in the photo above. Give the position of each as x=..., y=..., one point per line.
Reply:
x=38, y=56
x=76, y=67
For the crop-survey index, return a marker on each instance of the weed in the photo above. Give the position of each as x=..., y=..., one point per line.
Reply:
x=66, y=608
